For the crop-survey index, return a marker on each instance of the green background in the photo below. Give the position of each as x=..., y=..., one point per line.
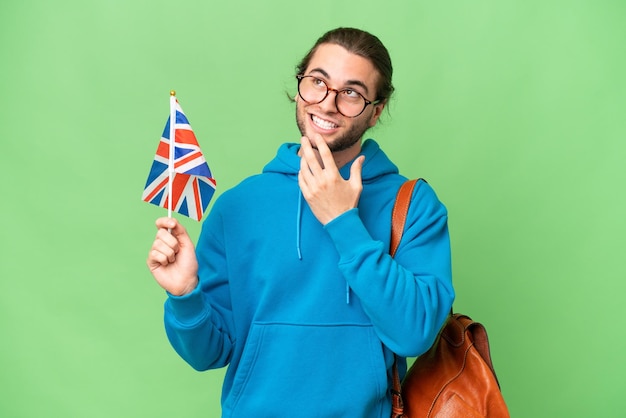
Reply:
x=514, y=112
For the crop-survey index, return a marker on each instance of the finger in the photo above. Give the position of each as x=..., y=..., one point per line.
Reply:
x=325, y=153
x=302, y=182
x=166, y=223
x=304, y=175
x=176, y=229
x=157, y=258
x=160, y=256
x=166, y=243
x=169, y=239
x=309, y=157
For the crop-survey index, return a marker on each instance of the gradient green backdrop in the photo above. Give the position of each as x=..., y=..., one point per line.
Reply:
x=514, y=112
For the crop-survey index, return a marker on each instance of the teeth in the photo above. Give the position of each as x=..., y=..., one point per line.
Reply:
x=324, y=124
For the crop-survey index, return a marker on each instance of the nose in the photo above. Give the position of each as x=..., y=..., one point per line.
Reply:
x=329, y=104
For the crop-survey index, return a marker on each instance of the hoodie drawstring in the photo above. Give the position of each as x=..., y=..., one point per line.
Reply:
x=298, y=239
x=299, y=224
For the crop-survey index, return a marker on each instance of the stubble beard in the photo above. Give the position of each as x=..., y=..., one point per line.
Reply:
x=341, y=143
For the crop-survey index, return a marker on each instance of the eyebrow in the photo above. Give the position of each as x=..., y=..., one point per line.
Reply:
x=348, y=83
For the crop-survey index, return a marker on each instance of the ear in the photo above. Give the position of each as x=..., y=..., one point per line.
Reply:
x=378, y=110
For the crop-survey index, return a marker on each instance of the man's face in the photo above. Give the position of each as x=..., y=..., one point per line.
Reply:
x=339, y=69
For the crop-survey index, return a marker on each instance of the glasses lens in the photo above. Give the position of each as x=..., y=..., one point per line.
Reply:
x=350, y=103
x=314, y=90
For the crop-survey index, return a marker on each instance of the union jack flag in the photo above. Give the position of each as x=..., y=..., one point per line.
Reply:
x=192, y=184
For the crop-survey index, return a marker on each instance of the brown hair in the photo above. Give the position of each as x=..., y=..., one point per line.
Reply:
x=363, y=44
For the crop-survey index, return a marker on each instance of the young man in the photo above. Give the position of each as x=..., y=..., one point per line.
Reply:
x=291, y=284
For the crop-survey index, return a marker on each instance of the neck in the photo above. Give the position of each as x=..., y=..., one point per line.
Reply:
x=344, y=157
x=341, y=157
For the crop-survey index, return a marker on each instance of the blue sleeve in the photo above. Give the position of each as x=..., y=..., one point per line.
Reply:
x=407, y=298
x=199, y=324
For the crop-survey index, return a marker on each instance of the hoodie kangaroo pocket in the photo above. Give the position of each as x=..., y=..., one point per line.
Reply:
x=310, y=370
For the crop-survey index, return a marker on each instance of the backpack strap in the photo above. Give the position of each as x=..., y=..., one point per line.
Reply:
x=398, y=216
x=398, y=220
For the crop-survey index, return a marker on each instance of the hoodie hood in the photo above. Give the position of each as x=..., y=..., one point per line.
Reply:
x=376, y=162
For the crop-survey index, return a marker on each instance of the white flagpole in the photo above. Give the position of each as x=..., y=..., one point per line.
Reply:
x=171, y=153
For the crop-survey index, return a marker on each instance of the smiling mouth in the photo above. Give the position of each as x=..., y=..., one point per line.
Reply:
x=322, y=123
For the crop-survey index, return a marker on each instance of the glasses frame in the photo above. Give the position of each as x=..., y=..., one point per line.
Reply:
x=329, y=89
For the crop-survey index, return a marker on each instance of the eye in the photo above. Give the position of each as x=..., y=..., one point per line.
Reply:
x=350, y=94
x=317, y=82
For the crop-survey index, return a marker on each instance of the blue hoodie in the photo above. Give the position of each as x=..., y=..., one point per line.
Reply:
x=308, y=316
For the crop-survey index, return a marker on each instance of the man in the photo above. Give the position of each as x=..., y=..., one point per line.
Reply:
x=291, y=284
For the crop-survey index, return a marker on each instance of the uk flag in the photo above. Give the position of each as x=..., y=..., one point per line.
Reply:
x=193, y=184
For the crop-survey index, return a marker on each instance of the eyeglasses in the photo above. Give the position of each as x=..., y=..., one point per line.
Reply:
x=349, y=103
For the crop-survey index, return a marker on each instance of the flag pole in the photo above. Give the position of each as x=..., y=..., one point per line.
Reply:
x=170, y=199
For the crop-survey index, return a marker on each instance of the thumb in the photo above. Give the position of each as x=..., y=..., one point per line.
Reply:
x=356, y=169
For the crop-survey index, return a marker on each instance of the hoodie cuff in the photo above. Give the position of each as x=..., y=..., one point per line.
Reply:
x=189, y=308
x=348, y=233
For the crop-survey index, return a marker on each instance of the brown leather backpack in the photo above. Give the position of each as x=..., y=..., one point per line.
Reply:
x=455, y=377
